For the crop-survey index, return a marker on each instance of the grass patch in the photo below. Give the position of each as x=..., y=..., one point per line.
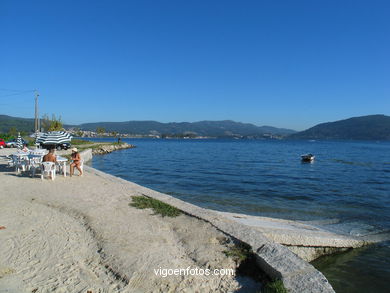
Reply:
x=274, y=287
x=159, y=207
x=238, y=252
x=118, y=143
x=93, y=147
x=76, y=141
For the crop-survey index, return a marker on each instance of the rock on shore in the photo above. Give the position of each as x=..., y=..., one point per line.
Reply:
x=105, y=149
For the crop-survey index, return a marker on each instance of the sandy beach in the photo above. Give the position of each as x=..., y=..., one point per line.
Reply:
x=79, y=234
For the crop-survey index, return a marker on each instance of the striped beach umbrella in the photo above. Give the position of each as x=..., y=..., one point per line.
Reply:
x=36, y=135
x=54, y=137
x=19, y=141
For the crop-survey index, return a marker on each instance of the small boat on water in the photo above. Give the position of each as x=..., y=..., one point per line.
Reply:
x=307, y=158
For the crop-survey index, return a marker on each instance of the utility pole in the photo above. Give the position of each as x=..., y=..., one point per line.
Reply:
x=37, y=122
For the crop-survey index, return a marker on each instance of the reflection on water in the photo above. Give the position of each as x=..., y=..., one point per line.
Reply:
x=352, y=163
x=359, y=270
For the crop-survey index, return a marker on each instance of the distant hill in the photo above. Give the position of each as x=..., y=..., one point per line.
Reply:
x=372, y=127
x=21, y=124
x=225, y=128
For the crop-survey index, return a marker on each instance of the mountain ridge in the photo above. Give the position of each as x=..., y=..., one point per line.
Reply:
x=208, y=128
x=200, y=128
x=369, y=127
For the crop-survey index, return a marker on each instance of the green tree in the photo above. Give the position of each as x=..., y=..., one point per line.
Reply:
x=53, y=124
x=78, y=132
x=6, y=136
x=12, y=131
x=100, y=130
x=45, y=122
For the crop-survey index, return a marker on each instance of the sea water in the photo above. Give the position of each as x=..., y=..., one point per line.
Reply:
x=346, y=189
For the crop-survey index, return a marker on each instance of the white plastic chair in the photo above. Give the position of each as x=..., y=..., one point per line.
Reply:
x=48, y=168
x=82, y=165
x=10, y=161
x=35, y=163
x=20, y=163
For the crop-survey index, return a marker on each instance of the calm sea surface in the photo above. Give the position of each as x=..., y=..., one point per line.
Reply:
x=346, y=189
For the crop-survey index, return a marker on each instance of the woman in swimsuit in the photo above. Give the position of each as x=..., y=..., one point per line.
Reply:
x=76, y=162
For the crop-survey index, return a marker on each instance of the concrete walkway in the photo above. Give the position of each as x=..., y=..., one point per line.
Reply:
x=307, y=241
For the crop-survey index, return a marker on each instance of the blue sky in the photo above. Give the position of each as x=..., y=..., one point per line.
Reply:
x=289, y=64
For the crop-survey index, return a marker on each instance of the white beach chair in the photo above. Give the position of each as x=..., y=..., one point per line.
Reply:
x=35, y=164
x=82, y=165
x=48, y=168
x=20, y=163
x=10, y=161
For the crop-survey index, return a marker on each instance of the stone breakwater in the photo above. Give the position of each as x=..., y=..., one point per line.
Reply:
x=105, y=149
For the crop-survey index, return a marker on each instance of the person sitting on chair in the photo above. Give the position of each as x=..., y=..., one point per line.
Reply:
x=76, y=162
x=25, y=148
x=50, y=157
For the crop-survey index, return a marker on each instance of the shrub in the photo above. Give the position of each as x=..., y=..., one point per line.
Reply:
x=159, y=207
x=76, y=141
x=274, y=287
